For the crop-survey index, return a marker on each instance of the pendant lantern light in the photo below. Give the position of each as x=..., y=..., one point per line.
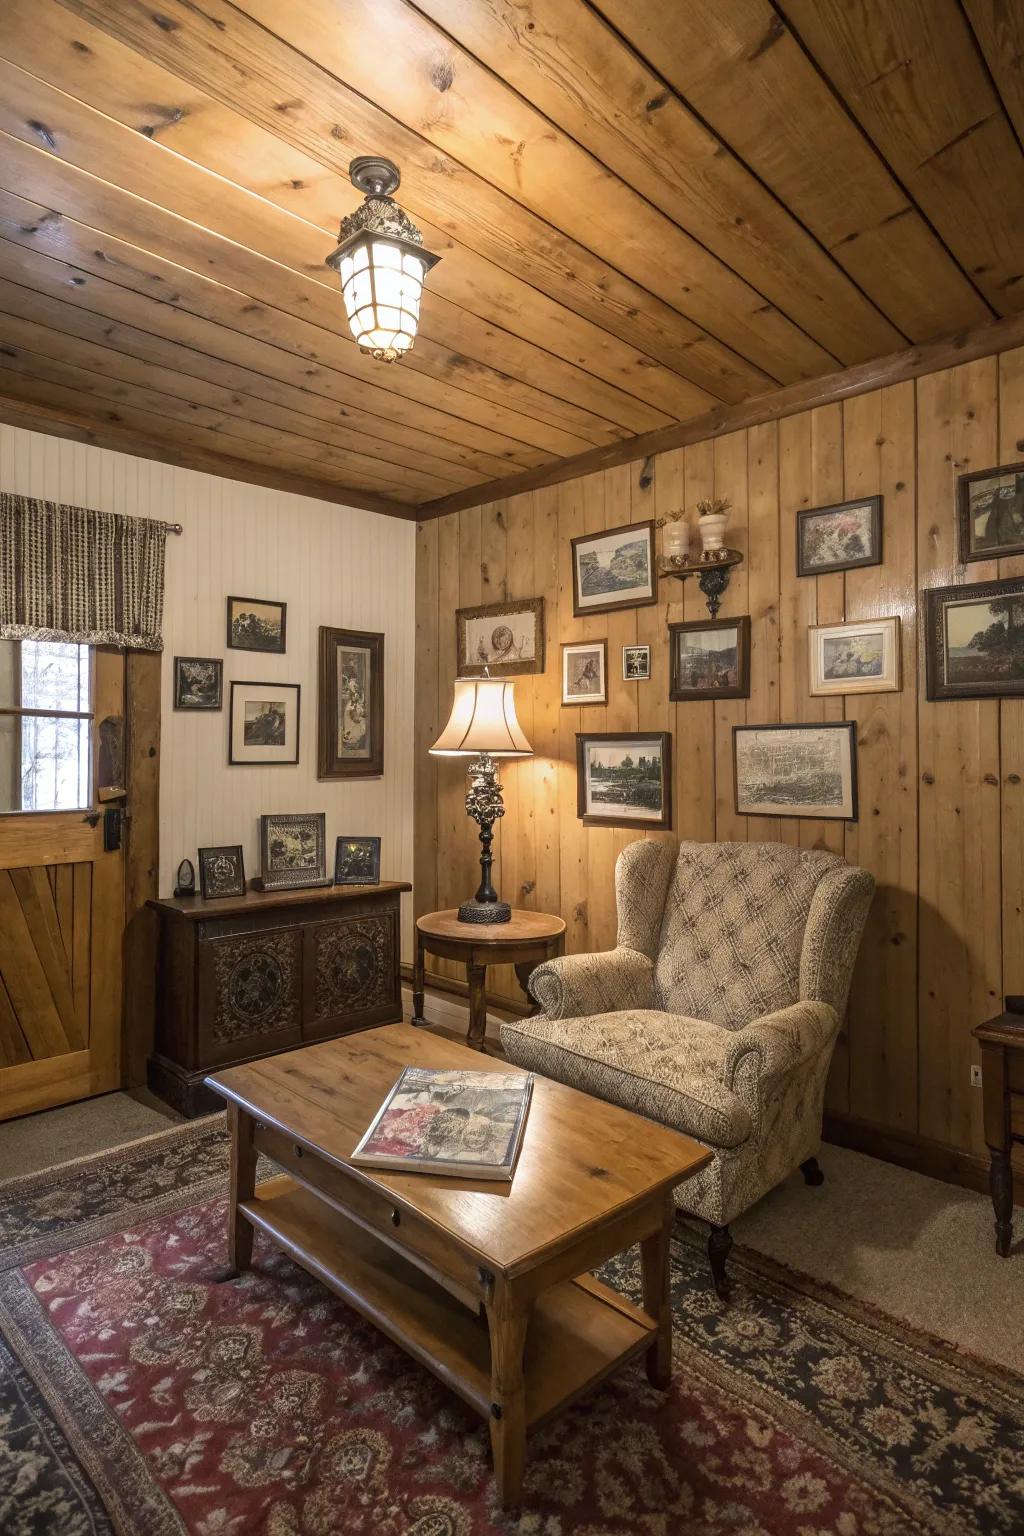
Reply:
x=381, y=263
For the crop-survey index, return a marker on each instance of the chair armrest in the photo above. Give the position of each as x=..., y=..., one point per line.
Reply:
x=576, y=985
x=765, y=1055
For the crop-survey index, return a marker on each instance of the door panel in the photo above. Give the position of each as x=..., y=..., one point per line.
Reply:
x=61, y=932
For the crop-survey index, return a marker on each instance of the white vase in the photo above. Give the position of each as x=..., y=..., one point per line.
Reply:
x=676, y=541
x=712, y=526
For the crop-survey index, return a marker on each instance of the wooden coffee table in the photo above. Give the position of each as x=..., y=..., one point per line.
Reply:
x=485, y=1284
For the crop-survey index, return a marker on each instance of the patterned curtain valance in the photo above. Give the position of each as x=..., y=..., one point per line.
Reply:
x=70, y=574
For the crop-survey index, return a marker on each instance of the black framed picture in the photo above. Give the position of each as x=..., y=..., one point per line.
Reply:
x=624, y=779
x=839, y=538
x=636, y=663
x=796, y=770
x=974, y=640
x=263, y=723
x=990, y=513
x=357, y=861
x=293, y=850
x=350, y=705
x=710, y=659
x=614, y=568
x=256, y=624
x=198, y=682
x=221, y=872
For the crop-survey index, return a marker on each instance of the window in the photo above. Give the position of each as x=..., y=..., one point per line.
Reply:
x=45, y=725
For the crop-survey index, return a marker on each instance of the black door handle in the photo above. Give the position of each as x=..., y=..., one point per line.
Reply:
x=111, y=829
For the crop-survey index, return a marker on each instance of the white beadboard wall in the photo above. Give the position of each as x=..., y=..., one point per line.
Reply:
x=330, y=564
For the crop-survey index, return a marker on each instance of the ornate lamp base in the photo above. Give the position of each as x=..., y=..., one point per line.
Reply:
x=485, y=912
x=484, y=804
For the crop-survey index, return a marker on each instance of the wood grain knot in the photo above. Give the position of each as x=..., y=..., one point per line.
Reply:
x=927, y=778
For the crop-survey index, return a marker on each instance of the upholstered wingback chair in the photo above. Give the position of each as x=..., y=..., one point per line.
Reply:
x=716, y=1012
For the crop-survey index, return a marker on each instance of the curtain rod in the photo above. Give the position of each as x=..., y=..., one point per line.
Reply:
x=172, y=527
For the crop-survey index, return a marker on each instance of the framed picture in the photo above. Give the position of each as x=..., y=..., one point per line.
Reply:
x=839, y=538
x=585, y=672
x=293, y=851
x=198, y=682
x=710, y=659
x=221, y=872
x=990, y=513
x=636, y=663
x=624, y=779
x=796, y=770
x=350, y=705
x=505, y=639
x=264, y=723
x=974, y=640
x=357, y=861
x=256, y=624
x=614, y=569
x=855, y=658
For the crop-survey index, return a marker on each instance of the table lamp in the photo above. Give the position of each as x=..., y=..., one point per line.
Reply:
x=483, y=726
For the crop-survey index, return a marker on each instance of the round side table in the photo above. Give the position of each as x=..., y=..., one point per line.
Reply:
x=524, y=941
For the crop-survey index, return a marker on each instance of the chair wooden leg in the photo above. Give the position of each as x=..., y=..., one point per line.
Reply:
x=813, y=1175
x=719, y=1248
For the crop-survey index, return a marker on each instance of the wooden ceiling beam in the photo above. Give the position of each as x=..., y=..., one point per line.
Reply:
x=909, y=72
x=80, y=427
x=743, y=70
x=979, y=341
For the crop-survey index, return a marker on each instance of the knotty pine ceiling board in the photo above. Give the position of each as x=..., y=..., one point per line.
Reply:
x=649, y=211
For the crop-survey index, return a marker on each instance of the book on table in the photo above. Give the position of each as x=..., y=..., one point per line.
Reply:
x=466, y=1124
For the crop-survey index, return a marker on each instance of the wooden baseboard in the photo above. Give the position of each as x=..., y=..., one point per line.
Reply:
x=919, y=1153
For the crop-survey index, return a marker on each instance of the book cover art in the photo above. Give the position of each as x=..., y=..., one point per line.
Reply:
x=468, y=1124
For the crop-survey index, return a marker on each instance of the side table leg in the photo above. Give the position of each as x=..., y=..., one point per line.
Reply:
x=241, y=1187
x=508, y=1326
x=418, y=974
x=477, y=975
x=654, y=1262
x=1000, y=1183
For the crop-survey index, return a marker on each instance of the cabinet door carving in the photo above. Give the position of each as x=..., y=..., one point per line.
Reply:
x=256, y=982
x=353, y=965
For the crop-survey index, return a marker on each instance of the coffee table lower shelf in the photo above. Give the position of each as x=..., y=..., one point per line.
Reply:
x=580, y=1330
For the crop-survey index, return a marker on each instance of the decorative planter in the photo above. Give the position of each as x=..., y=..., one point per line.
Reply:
x=676, y=540
x=712, y=526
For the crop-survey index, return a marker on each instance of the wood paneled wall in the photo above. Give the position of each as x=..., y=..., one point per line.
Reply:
x=941, y=785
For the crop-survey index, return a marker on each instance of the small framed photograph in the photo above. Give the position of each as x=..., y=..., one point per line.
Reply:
x=796, y=770
x=710, y=659
x=503, y=639
x=636, y=663
x=614, y=569
x=839, y=538
x=990, y=513
x=863, y=657
x=256, y=624
x=357, y=861
x=350, y=705
x=293, y=851
x=624, y=779
x=221, y=872
x=585, y=672
x=264, y=723
x=198, y=682
x=974, y=640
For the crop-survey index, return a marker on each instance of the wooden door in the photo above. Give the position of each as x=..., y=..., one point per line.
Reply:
x=62, y=907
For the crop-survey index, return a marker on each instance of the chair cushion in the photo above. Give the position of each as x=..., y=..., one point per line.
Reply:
x=657, y=1064
x=733, y=929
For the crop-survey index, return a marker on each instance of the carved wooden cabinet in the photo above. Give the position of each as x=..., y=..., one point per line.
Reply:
x=246, y=976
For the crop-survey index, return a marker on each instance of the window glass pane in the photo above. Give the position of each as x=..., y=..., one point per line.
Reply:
x=45, y=761
x=54, y=675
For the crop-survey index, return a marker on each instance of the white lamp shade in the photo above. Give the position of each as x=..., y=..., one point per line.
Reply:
x=381, y=284
x=483, y=719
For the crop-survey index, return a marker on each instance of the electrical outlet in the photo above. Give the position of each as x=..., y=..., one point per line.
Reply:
x=975, y=1077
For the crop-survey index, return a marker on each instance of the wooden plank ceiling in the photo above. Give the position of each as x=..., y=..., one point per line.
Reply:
x=645, y=208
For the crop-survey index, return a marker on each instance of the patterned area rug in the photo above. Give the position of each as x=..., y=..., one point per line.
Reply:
x=138, y=1397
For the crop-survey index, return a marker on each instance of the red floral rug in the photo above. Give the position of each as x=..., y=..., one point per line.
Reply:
x=170, y=1403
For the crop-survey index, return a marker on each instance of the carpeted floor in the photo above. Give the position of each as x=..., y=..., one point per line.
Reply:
x=39, y=1141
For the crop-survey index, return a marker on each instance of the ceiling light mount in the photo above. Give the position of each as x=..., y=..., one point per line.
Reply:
x=381, y=262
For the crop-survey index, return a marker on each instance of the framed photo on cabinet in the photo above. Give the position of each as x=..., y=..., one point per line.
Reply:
x=500, y=639
x=974, y=640
x=293, y=851
x=584, y=672
x=624, y=779
x=710, y=659
x=350, y=705
x=861, y=657
x=990, y=513
x=796, y=770
x=614, y=569
x=263, y=725
x=839, y=538
x=357, y=861
x=221, y=872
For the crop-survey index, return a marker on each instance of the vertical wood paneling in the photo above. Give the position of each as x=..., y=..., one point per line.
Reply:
x=332, y=565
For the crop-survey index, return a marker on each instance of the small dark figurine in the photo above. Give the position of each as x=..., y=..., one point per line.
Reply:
x=186, y=882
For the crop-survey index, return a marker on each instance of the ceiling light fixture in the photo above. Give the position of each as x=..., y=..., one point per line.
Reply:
x=381, y=263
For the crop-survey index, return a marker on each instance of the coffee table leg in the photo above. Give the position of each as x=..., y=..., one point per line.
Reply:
x=418, y=973
x=477, y=975
x=508, y=1325
x=654, y=1261
x=242, y=1187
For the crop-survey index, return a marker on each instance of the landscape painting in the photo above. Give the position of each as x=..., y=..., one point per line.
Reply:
x=264, y=723
x=796, y=770
x=624, y=779
x=974, y=640
x=861, y=657
x=839, y=538
x=256, y=624
x=710, y=659
x=198, y=682
x=293, y=851
x=614, y=569
x=990, y=504
x=500, y=639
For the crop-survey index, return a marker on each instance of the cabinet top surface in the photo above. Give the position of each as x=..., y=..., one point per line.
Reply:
x=194, y=908
x=326, y=1095
x=522, y=925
